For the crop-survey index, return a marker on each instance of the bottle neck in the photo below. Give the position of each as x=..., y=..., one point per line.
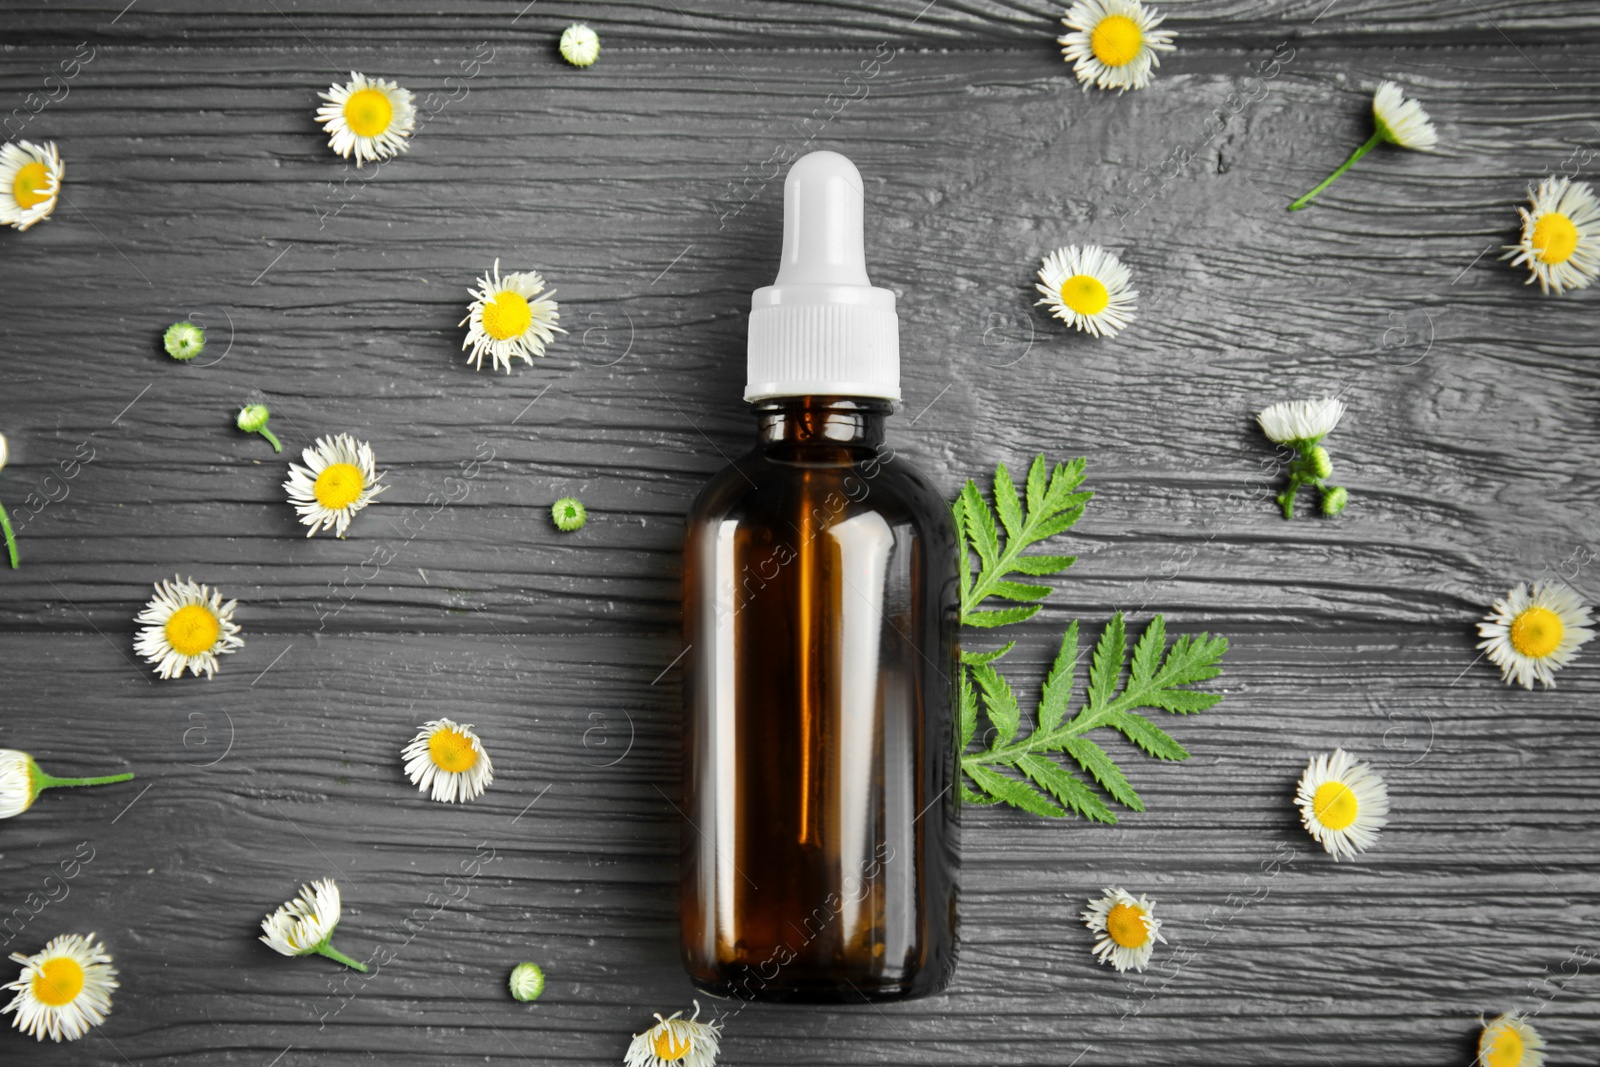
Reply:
x=820, y=422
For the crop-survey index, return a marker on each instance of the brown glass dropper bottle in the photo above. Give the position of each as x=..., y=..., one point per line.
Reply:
x=820, y=851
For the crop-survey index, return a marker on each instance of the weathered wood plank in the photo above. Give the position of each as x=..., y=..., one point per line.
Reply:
x=1274, y=951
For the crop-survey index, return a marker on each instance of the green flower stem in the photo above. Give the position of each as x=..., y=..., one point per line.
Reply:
x=327, y=949
x=11, y=538
x=1372, y=143
x=41, y=780
x=271, y=439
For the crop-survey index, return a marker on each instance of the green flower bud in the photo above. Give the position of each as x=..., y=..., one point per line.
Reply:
x=252, y=418
x=580, y=45
x=527, y=982
x=1334, y=499
x=1318, y=461
x=184, y=341
x=569, y=514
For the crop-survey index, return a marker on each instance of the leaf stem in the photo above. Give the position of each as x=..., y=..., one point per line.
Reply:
x=326, y=949
x=42, y=780
x=11, y=538
x=272, y=439
x=1372, y=143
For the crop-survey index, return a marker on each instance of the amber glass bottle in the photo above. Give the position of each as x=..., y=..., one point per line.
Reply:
x=820, y=616
x=820, y=620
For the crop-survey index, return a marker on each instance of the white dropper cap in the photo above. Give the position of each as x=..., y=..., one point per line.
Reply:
x=822, y=328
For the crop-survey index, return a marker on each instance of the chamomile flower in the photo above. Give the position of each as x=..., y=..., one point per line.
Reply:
x=186, y=627
x=1113, y=43
x=367, y=117
x=305, y=924
x=1532, y=634
x=1507, y=1041
x=30, y=182
x=580, y=45
x=510, y=317
x=448, y=758
x=1088, y=288
x=1343, y=804
x=339, y=479
x=22, y=780
x=1560, y=242
x=64, y=989
x=252, y=418
x=1395, y=121
x=1293, y=422
x=1128, y=930
x=184, y=341
x=675, y=1042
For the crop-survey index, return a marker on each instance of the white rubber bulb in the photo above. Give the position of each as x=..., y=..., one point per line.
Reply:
x=822, y=223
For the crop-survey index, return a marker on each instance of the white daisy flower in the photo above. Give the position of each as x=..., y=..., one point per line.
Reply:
x=1507, y=1041
x=339, y=479
x=1531, y=635
x=580, y=45
x=30, y=182
x=448, y=758
x=1113, y=43
x=1291, y=422
x=675, y=1042
x=1087, y=288
x=63, y=990
x=186, y=627
x=1395, y=121
x=22, y=780
x=367, y=117
x=1400, y=121
x=1343, y=804
x=1128, y=931
x=1560, y=237
x=305, y=925
x=508, y=321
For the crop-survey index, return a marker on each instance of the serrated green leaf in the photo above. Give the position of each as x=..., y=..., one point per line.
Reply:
x=999, y=703
x=1006, y=502
x=980, y=525
x=1058, y=523
x=974, y=658
x=1147, y=653
x=1038, y=483
x=969, y=797
x=1106, y=666
x=1100, y=766
x=1063, y=480
x=1148, y=736
x=1017, y=794
x=1181, y=701
x=1058, y=685
x=1192, y=659
x=1065, y=788
x=1037, y=566
x=1000, y=616
x=1019, y=591
x=966, y=709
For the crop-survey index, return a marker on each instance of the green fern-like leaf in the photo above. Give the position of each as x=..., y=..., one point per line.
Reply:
x=1157, y=677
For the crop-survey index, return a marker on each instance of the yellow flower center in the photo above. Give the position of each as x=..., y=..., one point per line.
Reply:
x=1555, y=238
x=58, y=982
x=1125, y=924
x=451, y=750
x=1505, y=1048
x=1085, y=294
x=669, y=1046
x=338, y=486
x=29, y=186
x=1116, y=40
x=506, y=316
x=368, y=112
x=192, y=629
x=1536, y=632
x=1335, y=805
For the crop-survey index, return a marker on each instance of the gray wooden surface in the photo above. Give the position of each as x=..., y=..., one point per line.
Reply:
x=198, y=185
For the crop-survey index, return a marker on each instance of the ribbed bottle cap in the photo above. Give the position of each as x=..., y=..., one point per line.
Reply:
x=821, y=328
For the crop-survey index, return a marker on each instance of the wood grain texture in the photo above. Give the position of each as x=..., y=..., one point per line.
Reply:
x=198, y=185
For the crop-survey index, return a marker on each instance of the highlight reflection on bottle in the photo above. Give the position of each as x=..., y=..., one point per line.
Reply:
x=820, y=850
